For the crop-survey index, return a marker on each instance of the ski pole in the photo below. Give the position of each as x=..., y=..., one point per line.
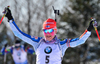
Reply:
x=5, y=11
x=5, y=53
x=5, y=58
x=97, y=33
x=96, y=30
x=56, y=12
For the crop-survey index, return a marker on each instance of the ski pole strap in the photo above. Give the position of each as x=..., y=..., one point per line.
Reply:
x=5, y=11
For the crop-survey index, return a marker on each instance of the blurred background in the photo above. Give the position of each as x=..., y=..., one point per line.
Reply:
x=73, y=20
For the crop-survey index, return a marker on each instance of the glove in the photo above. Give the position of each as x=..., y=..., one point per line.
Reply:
x=25, y=45
x=8, y=14
x=5, y=45
x=90, y=26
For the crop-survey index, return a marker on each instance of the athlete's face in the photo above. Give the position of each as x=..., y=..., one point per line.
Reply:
x=49, y=34
x=17, y=47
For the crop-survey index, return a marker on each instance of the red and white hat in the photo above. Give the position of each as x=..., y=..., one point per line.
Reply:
x=49, y=24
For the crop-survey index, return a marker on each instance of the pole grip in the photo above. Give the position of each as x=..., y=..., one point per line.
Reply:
x=5, y=11
x=96, y=29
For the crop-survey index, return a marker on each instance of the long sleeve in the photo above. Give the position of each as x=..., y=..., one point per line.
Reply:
x=74, y=42
x=3, y=51
x=23, y=36
x=81, y=40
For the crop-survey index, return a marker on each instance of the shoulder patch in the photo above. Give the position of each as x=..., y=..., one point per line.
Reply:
x=34, y=37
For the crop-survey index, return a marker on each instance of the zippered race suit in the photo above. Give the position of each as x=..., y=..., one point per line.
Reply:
x=48, y=53
x=19, y=56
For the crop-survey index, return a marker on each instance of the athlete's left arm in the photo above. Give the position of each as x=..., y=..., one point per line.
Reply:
x=80, y=40
x=76, y=41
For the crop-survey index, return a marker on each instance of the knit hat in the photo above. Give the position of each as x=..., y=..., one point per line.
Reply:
x=49, y=24
x=17, y=42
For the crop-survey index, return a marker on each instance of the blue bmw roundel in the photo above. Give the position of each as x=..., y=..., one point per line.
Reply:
x=48, y=50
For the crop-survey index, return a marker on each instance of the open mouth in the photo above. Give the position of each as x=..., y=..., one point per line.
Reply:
x=48, y=36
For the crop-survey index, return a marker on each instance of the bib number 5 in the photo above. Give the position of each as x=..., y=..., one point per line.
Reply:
x=47, y=59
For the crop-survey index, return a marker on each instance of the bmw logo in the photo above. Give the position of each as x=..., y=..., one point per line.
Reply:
x=48, y=50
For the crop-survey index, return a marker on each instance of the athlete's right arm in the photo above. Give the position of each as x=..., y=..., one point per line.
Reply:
x=4, y=50
x=25, y=37
x=18, y=33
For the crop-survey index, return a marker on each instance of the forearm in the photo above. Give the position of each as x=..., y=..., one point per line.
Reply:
x=81, y=40
x=23, y=36
x=18, y=33
x=4, y=50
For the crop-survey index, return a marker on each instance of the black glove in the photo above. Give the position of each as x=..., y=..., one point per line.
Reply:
x=5, y=45
x=8, y=14
x=90, y=26
x=25, y=45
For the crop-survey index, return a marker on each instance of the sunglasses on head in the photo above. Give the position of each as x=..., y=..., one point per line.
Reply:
x=48, y=30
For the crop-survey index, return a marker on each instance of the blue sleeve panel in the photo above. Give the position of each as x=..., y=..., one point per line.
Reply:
x=74, y=42
x=31, y=37
x=32, y=40
x=3, y=51
x=66, y=40
x=31, y=51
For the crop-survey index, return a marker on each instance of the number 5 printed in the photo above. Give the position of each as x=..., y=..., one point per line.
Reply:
x=47, y=59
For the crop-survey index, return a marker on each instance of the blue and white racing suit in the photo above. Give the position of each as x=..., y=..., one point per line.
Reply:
x=48, y=53
x=19, y=56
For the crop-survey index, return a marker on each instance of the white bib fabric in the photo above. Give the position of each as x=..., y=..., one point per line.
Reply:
x=19, y=56
x=48, y=54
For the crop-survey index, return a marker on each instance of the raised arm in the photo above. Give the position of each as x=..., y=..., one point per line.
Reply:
x=85, y=35
x=18, y=33
x=6, y=49
x=77, y=41
x=74, y=42
x=80, y=40
x=25, y=37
